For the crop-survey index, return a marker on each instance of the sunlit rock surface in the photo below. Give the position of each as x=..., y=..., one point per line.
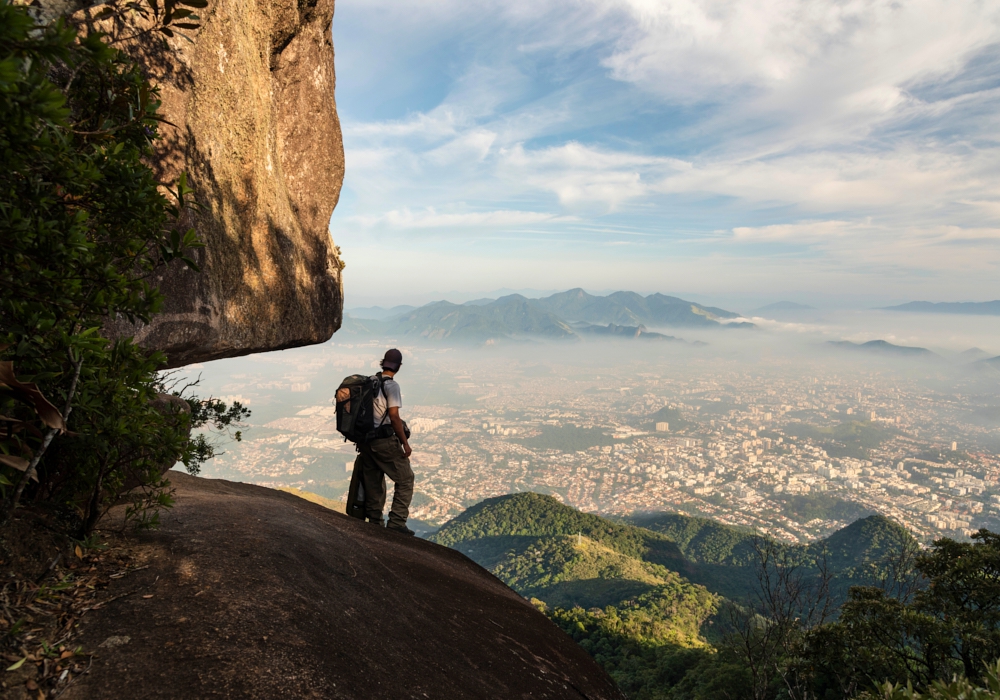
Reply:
x=253, y=122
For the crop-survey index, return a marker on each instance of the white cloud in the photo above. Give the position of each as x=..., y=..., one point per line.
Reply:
x=853, y=137
x=441, y=123
x=802, y=232
x=406, y=219
x=582, y=175
x=690, y=48
x=472, y=144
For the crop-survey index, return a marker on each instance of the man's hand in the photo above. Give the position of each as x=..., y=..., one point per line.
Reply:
x=397, y=426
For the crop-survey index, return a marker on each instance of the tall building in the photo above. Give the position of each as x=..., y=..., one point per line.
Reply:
x=663, y=427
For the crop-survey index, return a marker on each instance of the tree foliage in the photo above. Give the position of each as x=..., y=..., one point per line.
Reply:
x=838, y=618
x=84, y=225
x=950, y=625
x=960, y=688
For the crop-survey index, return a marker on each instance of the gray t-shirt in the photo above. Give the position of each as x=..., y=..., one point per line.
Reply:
x=390, y=391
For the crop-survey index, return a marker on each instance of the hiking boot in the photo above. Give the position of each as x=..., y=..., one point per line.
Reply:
x=376, y=521
x=401, y=529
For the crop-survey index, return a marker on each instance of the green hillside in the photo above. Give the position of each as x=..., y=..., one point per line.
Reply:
x=659, y=605
x=848, y=439
x=722, y=556
x=534, y=542
x=614, y=587
x=568, y=571
x=864, y=545
x=669, y=415
x=699, y=539
x=497, y=525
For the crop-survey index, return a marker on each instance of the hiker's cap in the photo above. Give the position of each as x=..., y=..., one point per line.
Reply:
x=392, y=360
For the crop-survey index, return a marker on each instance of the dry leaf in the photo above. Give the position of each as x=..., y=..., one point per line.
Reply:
x=148, y=596
x=18, y=463
x=78, y=552
x=29, y=392
x=31, y=685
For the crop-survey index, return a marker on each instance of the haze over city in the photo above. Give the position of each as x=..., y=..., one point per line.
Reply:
x=782, y=420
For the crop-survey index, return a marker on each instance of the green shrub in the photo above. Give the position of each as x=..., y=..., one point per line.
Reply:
x=960, y=688
x=84, y=226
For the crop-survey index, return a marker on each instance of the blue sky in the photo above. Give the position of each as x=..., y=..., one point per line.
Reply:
x=843, y=151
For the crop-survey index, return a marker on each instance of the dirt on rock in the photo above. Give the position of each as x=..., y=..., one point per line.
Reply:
x=256, y=593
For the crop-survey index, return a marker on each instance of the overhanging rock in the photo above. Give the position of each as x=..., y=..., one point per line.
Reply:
x=253, y=122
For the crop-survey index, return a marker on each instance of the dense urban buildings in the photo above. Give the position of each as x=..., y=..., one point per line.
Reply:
x=797, y=446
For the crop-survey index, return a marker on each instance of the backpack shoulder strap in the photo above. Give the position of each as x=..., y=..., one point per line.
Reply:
x=381, y=390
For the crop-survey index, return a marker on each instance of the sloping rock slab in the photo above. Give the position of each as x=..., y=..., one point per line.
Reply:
x=257, y=593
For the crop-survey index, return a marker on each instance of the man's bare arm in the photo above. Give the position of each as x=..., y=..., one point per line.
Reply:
x=397, y=425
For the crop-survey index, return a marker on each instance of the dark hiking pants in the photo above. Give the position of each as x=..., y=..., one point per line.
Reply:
x=385, y=456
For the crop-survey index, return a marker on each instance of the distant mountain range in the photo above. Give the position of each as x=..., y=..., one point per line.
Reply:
x=510, y=316
x=563, y=316
x=631, y=309
x=784, y=306
x=881, y=347
x=975, y=308
x=993, y=362
x=973, y=354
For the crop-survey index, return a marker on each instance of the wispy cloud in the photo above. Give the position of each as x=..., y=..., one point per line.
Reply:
x=429, y=218
x=860, y=133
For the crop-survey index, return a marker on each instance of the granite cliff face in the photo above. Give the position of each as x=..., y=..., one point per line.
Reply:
x=253, y=122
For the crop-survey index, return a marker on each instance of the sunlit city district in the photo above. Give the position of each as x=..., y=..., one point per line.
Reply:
x=755, y=446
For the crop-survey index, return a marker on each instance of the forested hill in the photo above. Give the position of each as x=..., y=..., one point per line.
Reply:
x=500, y=532
x=648, y=601
x=492, y=527
x=866, y=541
x=700, y=539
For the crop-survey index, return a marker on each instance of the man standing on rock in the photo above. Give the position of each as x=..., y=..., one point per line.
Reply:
x=389, y=456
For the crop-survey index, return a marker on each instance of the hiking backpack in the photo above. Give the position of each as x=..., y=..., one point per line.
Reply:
x=356, y=422
x=356, y=407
